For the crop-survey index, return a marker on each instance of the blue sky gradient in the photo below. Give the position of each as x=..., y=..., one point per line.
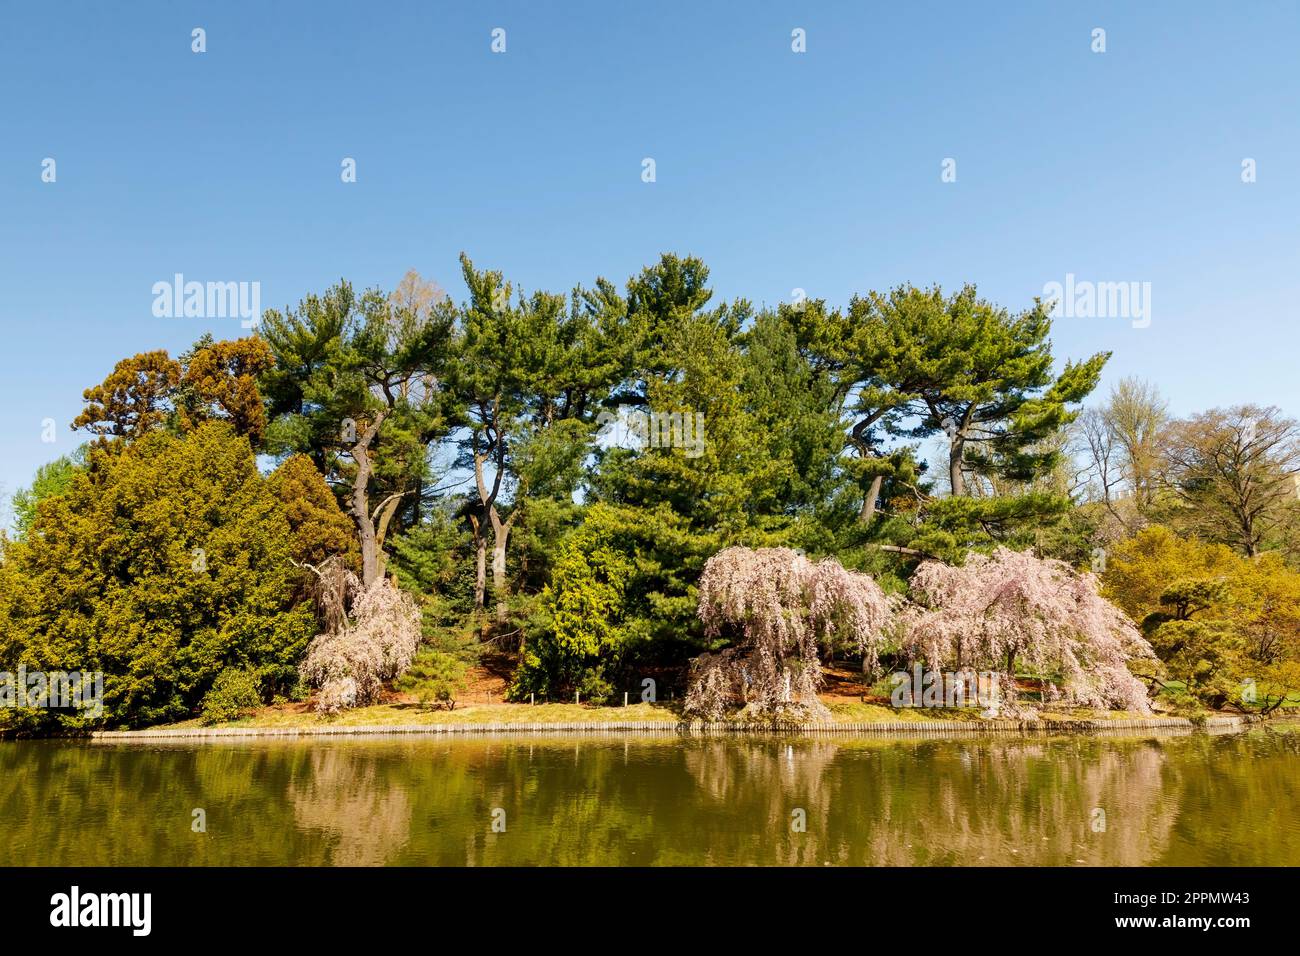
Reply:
x=818, y=171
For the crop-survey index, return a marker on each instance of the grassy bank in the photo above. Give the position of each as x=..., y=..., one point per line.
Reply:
x=398, y=713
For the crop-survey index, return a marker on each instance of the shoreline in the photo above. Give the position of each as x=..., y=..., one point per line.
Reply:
x=937, y=728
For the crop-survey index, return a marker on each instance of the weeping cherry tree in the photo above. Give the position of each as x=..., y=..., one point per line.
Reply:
x=1011, y=606
x=785, y=607
x=371, y=635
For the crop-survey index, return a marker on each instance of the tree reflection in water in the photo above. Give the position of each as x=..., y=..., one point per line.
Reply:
x=367, y=822
x=1181, y=800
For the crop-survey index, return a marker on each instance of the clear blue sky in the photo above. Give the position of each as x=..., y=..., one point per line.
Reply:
x=819, y=171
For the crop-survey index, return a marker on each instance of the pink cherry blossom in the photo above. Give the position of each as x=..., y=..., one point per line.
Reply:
x=785, y=607
x=1012, y=606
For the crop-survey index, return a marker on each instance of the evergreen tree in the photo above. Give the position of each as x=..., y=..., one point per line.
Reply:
x=961, y=367
x=160, y=565
x=358, y=387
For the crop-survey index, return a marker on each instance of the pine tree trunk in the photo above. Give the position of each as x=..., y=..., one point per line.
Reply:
x=360, y=506
x=955, y=477
x=500, y=537
x=480, y=570
x=869, y=502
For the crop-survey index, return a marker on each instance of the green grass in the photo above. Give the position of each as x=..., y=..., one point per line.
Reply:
x=842, y=711
x=857, y=712
x=394, y=714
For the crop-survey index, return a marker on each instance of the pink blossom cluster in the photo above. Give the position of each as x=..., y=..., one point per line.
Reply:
x=373, y=640
x=785, y=607
x=988, y=613
x=1011, y=606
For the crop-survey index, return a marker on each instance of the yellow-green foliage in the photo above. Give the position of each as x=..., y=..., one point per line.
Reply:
x=582, y=615
x=319, y=526
x=434, y=677
x=1215, y=617
x=235, y=691
x=163, y=563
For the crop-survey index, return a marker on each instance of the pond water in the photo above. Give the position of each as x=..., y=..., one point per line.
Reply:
x=1191, y=799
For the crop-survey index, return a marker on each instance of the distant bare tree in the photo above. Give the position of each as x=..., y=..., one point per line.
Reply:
x=1135, y=415
x=1117, y=446
x=1235, y=469
x=416, y=295
x=1101, y=454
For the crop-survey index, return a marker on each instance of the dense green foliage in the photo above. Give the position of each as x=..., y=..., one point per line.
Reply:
x=235, y=690
x=435, y=678
x=163, y=563
x=547, y=475
x=51, y=479
x=580, y=633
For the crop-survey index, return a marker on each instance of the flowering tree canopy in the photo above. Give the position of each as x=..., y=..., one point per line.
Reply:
x=989, y=613
x=785, y=606
x=1012, y=605
x=362, y=646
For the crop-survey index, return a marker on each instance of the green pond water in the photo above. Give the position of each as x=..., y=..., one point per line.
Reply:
x=1192, y=799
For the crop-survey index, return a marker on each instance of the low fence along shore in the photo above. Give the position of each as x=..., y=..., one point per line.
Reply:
x=921, y=728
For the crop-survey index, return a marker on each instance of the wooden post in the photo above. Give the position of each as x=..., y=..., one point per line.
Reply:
x=624, y=698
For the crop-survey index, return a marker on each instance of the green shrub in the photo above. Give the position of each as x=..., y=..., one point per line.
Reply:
x=594, y=688
x=162, y=562
x=234, y=691
x=579, y=626
x=435, y=678
x=299, y=691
